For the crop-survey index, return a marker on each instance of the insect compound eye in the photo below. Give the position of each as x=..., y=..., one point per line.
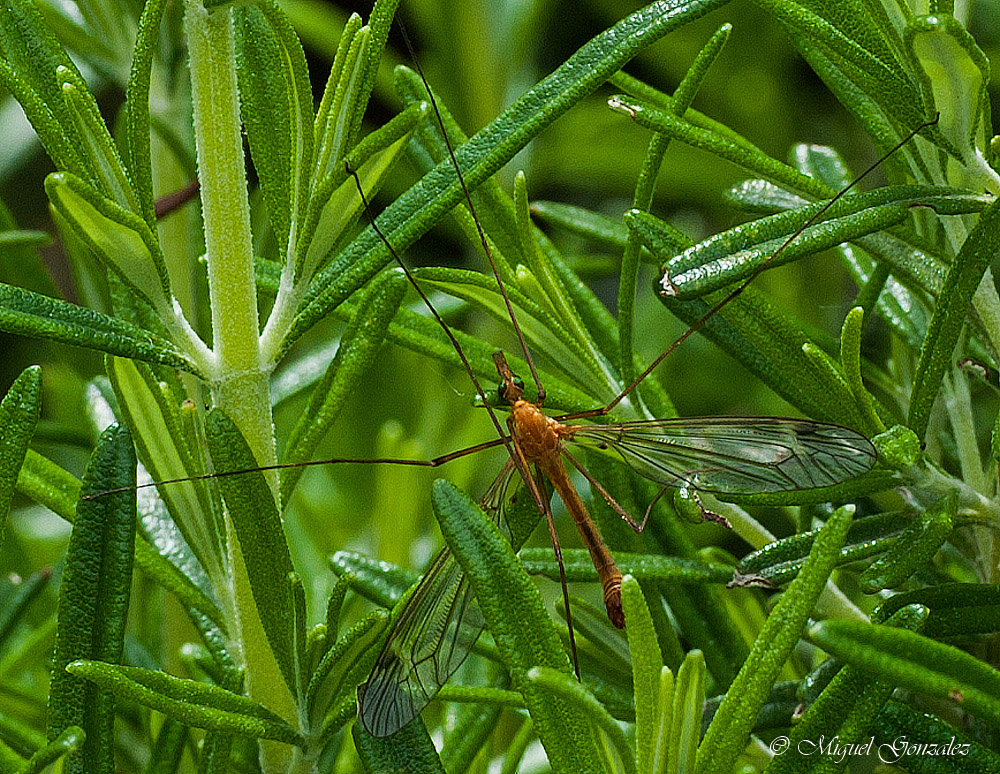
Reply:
x=502, y=389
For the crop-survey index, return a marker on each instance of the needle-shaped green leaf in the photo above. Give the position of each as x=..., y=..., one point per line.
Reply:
x=37, y=316
x=646, y=665
x=94, y=600
x=167, y=452
x=544, y=333
x=645, y=187
x=555, y=298
x=857, y=50
x=846, y=709
x=673, y=569
x=521, y=628
x=51, y=486
x=734, y=254
x=17, y=604
x=336, y=109
x=276, y=107
x=978, y=251
x=850, y=361
x=408, y=751
x=914, y=548
x=686, y=715
x=953, y=72
x=566, y=687
x=358, y=348
x=335, y=201
x=260, y=559
x=781, y=561
x=955, y=608
x=469, y=736
x=379, y=23
x=31, y=55
x=106, y=164
x=599, y=641
x=19, y=412
x=138, y=156
x=770, y=344
x=65, y=743
x=901, y=723
x=15, y=238
x=168, y=748
x=719, y=142
x=595, y=226
x=728, y=732
x=414, y=212
x=911, y=259
x=191, y=702
x=382, y=583
x=912, y=661
x=421, y=334
x=216, y=751
x=120, y=238
x=354, y=652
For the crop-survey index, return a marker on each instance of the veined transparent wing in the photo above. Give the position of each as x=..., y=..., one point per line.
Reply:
x=433, y=633
x=736, y=455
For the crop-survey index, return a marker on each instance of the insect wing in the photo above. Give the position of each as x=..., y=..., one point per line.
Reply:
x=736, y=455
x=434, y=632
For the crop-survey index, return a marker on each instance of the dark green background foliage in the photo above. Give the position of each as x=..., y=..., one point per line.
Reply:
x=210, y=629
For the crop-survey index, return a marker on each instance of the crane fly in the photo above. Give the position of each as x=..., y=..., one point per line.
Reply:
x=439, y=622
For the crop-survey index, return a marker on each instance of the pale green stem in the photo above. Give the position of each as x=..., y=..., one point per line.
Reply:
x=926, y=483
x=958, y=403
x=240, y=382
x=987, y=306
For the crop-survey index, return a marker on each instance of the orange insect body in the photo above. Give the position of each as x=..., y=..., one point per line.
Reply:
x=607, y=570
x=540, y=439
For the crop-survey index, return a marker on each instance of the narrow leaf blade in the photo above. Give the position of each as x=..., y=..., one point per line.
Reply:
x=94, y=598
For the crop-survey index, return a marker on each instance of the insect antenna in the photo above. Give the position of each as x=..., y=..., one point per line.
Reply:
x=427, y=302
x=733, y=294
x=479, y=227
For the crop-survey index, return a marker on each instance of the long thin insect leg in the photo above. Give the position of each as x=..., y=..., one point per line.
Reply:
x=649, y=508
x=173, y=201
x=557, y=550
x=431, y=463
x=743, y=285
x=595, y=484
x=472, y=211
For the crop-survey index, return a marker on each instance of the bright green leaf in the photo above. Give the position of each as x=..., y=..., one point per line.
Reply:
x=260, y=551
x=19, y=412
x=728, y=732
x=193, y=703
x=94, y=600
x=912, y=661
